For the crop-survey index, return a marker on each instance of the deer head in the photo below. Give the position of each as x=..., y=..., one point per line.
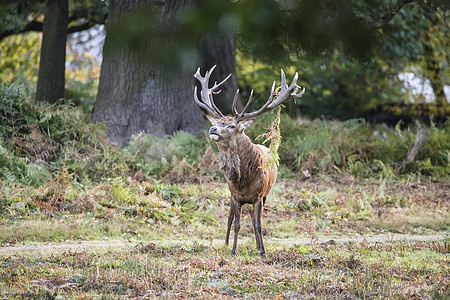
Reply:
x=225, y=128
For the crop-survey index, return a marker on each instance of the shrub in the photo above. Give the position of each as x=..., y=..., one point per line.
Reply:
x=156, y=155
x=39, y=139
x=366, y=150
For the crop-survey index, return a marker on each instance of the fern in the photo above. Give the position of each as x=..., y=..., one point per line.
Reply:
x=36, y=174
x=9, y=176
x=64, y=138
x=273, y=136
x=329, y=143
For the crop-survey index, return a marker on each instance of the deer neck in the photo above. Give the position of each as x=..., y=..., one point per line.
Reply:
x=236, y=157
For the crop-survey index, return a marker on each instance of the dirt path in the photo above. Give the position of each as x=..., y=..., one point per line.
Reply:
x=369, y=239
x=118, y=244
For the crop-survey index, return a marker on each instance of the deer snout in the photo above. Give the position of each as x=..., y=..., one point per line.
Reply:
x=213, y=133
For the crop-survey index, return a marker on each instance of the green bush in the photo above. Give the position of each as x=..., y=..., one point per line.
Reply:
x=366, y=150
x=39, y=139
x=156, y=155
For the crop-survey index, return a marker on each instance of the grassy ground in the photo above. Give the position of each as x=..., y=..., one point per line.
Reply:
x=177, y=233
x=352, y=270
x=296, y=209
x=62, y=182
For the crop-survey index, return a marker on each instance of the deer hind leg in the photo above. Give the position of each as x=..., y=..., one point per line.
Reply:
x=236, y=209
x=256, y=218
x=230, y=222
x=257, y=240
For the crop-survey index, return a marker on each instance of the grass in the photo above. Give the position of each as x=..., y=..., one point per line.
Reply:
x=62, y=182
x=141, y=211
x=351, y=270
x=178, y=231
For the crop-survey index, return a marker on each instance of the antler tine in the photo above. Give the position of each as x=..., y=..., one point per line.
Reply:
x=216, y=85
x=233, y=107
x=206, y=93
x=263, y=109
x=283, y=79
x=247, y=105
x=286, y=93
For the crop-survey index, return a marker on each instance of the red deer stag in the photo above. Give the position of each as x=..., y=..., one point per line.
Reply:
x=240, y=159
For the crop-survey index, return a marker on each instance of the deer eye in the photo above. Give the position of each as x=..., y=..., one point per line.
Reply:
x=230, y=126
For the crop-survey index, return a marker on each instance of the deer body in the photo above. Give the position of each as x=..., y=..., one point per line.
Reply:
x=249, y=181
x=252, y=188
x=243, y=163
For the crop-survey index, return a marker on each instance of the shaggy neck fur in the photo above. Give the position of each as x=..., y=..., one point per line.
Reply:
x=239, y=159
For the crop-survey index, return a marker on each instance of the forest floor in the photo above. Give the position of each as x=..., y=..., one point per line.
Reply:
x=326, y=239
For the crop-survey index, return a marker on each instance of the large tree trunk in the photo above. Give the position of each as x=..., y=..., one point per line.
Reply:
x=132, y=97
x=220, y=50
x=51, y=81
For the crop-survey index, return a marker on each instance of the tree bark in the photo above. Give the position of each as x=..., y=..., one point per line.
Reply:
x=133, y=97
x=51, y=80
x=419, y=141
x=220, y=50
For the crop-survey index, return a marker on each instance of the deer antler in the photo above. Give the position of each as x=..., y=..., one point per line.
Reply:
x=207, y=93
x=285, y=93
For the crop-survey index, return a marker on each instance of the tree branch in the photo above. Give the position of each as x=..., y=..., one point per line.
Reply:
x=390, y=14
x=32, y=26
x=80, y=27
x=37, y=26
x=420, y=140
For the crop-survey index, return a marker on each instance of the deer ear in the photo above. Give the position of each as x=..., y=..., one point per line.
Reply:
x=212, y=120
x=246, y=123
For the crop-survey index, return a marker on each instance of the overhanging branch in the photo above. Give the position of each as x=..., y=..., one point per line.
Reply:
x=37, y=26
x=390, y=14
x=80, y=27
x=32, y=26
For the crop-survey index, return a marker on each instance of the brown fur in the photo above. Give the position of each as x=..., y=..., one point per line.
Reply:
x=242, y=163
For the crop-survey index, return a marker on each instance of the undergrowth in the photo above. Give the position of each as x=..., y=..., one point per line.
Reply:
x=365, y=150
x=38, y=140
x=60, y=179
x=55, y=164
x=155, y=156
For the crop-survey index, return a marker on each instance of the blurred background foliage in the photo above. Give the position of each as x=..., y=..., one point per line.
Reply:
x=19, y=63
x=349, y=54
x=21, y=24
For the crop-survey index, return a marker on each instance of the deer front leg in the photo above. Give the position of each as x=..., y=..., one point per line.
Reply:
x=257, y=211
x=236, y=208
x=230, y=222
